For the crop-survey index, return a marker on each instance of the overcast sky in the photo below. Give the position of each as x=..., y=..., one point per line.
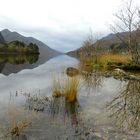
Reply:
x=61, y=24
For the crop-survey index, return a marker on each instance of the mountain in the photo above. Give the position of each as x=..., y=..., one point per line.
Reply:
x=1, y=38
x=106, y=42
x=45, y=51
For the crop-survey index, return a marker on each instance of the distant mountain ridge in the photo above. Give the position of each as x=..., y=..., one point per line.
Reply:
x=43, y=48
x=106, y=42
x=1, y=38
x=46, y=52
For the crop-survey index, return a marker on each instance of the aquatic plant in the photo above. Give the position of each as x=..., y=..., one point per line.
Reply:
x=57, y=88
x=67, y=88
x=17, y=121
x=17, y=124
x=36, y=102
x=71, y=89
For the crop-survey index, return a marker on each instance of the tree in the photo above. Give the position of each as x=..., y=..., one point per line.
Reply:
x=129, y=23
x=92, y=45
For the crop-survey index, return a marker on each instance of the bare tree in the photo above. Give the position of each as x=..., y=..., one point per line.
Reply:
x=129, y=23
x=92, y=46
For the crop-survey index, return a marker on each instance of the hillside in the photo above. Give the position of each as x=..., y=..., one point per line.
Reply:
x=45, y=51
x=17, y=47
x=106, y=42
x=1, y=38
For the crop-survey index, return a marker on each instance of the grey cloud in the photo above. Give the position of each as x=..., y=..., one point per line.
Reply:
x=65, y=41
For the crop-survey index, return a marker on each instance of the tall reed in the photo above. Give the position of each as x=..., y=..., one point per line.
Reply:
x=67, y=88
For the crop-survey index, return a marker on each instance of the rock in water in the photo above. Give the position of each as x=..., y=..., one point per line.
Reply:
x=71, y=71
x=120, y=71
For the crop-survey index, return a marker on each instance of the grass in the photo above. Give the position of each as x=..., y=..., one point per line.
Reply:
x=18, y=121
x=107, y=61
x=114, y=58
x=68, y=88
x=17, y=124
x=57, y=88
x=118, y=60
x=71, y=89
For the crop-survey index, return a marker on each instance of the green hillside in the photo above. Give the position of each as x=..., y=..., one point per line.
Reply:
x=17, y=47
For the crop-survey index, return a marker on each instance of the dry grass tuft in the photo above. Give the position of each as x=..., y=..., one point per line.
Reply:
x=17, y=125
x=123, y=58
x=67, y=88
x=57, y=88
x=71, y=89
x=18, y=121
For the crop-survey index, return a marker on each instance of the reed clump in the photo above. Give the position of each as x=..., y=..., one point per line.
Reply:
x=18, y=126
x=57, y=88
x=71, y=89
x=18, y=122
x=67, y=88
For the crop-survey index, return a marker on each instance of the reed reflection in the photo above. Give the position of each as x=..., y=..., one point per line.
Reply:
x=93, y=78
x=36, y=102
x=59, y=107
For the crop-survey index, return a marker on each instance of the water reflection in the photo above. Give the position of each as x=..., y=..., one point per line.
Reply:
x=15, y=122
x=15, y=63
x=70, y=113
x=18, y=59
x=68, y=110
x=125, y=108
x=61, y=111
x=92, y=76
x=92, y=80
x=36, y=102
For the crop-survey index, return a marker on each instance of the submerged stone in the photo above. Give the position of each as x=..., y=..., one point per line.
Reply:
x=71, y=71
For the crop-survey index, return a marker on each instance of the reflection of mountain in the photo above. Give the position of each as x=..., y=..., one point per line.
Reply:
x=45, y=52
x=13, y=64
x=18, y=59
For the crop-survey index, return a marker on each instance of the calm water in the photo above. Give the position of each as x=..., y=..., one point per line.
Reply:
x=105, y=109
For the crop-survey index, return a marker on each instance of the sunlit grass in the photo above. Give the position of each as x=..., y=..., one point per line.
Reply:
x=67, y=88
x=106, y=60
x=109, y=57
x=71, y=89
x=57, y=88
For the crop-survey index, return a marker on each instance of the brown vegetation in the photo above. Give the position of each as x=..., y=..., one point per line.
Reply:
x=68, y=89
x=129, y=22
